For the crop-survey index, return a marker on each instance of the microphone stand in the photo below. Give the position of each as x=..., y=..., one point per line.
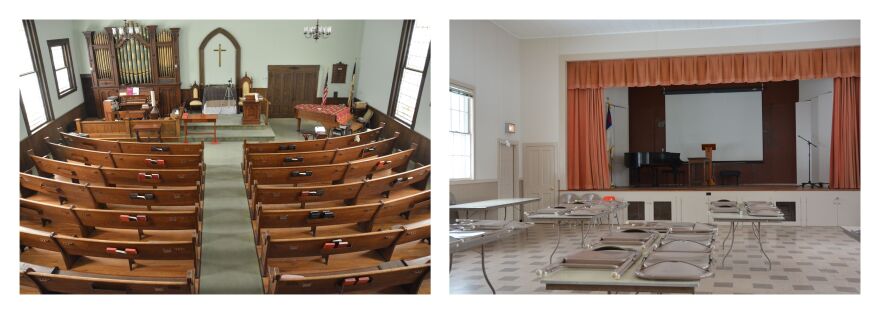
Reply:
x=810, y=165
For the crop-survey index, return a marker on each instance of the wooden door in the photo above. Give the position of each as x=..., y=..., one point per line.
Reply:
x=290, y=85
x=539, y=173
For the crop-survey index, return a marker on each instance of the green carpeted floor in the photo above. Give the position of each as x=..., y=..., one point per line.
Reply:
x=229, y=254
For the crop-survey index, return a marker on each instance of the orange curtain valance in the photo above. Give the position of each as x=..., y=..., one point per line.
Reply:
x=716, y=69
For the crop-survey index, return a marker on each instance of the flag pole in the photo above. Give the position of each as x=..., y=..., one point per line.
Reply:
x=611, y=147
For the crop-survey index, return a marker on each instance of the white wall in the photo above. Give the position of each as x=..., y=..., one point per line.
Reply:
x=58, y=29
x=813, y=121
x=618, y=134
x=485, y=57
x=378, y=56
x=263, y=43
x=542, y=61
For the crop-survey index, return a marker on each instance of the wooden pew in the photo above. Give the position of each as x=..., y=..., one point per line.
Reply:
x=122, y=160
x=321, y=157
x=363, y=215
x=81, y=222
x=108, y=176
x=88, y=143
x=76, y=141
x=76, y=172
x=381, y=242
x=391, y=277
x=314, y=218
x=348, y=193
x=147, y=197
x=72, y=248
x=87, y=196
x=315, y=145
x=85, y=156
x=335, y=173
x=52, y=280
x=385, y=185
x=60, y=191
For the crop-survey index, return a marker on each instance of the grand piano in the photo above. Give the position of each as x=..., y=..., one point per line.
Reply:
x=635, y=161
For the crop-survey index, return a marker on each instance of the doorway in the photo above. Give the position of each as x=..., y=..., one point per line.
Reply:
x=539, y=173
x=291, y=85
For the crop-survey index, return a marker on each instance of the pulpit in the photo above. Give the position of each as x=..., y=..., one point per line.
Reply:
x=251, y=111
x=710, y=173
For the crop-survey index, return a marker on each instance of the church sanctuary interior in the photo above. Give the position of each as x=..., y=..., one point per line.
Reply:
x=224, y=156
x=655, y=156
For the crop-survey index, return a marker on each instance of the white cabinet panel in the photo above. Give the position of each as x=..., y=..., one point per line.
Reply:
x=821, y=209
x=849, y=210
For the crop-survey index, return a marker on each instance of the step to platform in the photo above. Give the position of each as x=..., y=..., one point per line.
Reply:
x=233, y=135
x=230, y=129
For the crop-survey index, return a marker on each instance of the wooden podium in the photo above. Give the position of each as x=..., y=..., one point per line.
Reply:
x=710, y=173
x=251, y=112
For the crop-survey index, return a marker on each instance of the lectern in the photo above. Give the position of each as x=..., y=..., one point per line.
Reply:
x=710, y=173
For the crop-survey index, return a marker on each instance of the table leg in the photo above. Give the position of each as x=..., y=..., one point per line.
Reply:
x=159, y=135
x=185, y=132
x=558, y=239
x=723, y=243
x=215, y=133
x=450, y=263
x=483, y=266
x=137, y=136
x=505, y=213
x=582, y=233
x=521, y=211
x=298, y=123
x=732, y=238
x=757, y=232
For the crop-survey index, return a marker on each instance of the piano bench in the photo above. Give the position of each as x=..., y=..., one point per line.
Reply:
x=724, y=174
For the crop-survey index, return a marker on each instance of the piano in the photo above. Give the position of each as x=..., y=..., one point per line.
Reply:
x=635, y=161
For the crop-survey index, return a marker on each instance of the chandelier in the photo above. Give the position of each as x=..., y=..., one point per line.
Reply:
x=127, y=29
x=317, y=32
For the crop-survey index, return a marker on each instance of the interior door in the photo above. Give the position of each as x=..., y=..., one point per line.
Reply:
x=539, y=173
x=290, y=85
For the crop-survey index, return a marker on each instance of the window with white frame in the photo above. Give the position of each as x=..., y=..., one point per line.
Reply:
x=461, y=133
x=32, y=99
x=412, y=65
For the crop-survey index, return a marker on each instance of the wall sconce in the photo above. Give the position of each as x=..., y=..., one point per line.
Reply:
x=510, y=127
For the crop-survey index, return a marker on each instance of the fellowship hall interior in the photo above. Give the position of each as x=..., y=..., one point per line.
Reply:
x=654, y=156
x=224, y=156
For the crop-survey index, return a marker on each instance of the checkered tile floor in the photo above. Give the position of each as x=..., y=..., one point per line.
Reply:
x=820, y=260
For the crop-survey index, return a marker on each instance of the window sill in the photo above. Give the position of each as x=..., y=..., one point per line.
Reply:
x=65, y=93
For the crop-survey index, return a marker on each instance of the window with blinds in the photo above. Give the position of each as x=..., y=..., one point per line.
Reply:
x=416, y=42
x=461, y=152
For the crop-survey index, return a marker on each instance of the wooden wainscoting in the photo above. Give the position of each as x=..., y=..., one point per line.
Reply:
x=35, y=140
x=407, y=136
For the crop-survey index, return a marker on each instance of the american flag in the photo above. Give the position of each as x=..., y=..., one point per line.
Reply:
x=324, y=93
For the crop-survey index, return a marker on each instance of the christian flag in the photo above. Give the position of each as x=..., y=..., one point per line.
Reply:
x=608, y=117
x=324, y=93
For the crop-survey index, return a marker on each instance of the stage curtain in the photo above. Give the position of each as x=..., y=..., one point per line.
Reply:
x=845, y=161
x=587, y=159
x=715, y=69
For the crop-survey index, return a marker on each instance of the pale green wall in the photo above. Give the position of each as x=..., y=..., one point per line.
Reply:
x=58, y=29
x=263, y=43
x=379, y=55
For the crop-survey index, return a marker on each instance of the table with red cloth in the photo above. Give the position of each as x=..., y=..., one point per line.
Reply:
x=330, y=116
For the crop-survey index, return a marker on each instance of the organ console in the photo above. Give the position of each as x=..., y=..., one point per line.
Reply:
x=635, y=161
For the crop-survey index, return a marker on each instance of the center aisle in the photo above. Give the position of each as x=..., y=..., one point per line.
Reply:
x=229, y=258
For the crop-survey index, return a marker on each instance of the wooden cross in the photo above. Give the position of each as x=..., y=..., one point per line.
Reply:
x=219, y=50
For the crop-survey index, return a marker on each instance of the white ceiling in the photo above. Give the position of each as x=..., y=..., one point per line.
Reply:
x=528, y=29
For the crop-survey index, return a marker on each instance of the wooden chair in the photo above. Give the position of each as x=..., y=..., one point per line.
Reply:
x=391, y=277
x=246, y=83
x=196, y=102
x=51, y=280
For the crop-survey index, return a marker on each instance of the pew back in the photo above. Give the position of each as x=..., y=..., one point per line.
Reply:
x=398, y=181
x=73, y=171
x=72, y=193
x=408, y=278
x=69, y=282
x=170, y=196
